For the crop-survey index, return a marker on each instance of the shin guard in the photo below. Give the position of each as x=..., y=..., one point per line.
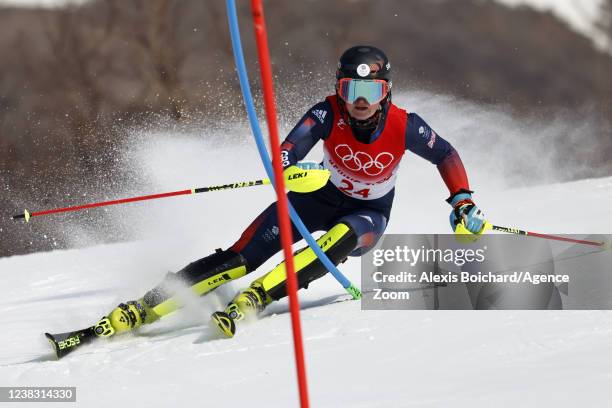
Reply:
x=202, y=276
x=337, y=244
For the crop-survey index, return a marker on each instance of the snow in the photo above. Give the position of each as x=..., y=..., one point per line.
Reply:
x=580, y=15
x=40, y=3
x=354, y=358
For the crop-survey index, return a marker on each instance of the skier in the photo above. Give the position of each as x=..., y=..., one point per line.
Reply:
x=364, y=138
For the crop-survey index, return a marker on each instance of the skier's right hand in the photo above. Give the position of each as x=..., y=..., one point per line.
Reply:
x=305, y=177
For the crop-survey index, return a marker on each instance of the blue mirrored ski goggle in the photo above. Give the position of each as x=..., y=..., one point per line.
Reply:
x=372, y=90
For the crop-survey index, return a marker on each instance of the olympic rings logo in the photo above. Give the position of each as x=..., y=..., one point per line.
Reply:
x=361, y=161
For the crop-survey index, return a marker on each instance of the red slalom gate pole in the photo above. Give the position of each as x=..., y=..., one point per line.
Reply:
x=282, y=206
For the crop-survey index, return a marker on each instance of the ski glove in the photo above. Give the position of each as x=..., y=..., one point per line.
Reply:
x=465, y=210
x=305, y=177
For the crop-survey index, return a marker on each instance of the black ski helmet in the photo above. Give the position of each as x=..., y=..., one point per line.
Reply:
x=364, y=62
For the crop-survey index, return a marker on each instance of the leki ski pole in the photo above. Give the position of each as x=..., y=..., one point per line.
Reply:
x=516, y=231
x=463, y=231
x=296, y=179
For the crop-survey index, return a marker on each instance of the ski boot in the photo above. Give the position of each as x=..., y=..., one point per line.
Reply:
x=125, y=317
x=247, y=305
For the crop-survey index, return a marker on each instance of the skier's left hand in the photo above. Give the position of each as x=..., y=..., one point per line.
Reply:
x=465, y=210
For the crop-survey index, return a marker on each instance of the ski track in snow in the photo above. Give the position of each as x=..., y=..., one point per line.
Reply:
x=354, y=358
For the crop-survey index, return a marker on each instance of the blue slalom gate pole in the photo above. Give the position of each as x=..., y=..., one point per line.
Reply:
x=263, y=153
